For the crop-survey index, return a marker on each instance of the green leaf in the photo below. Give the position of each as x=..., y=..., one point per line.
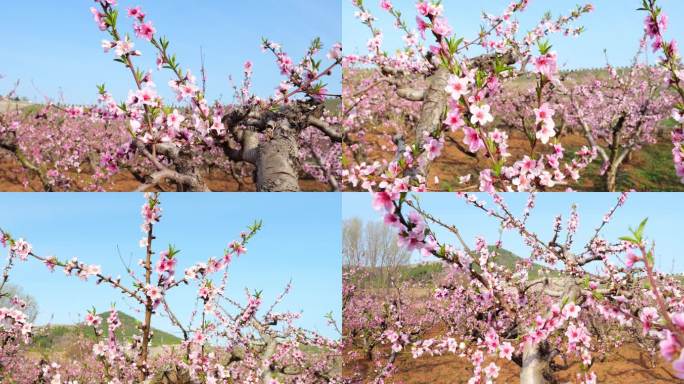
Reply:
x=544, y=47
x=498, y=167
x=627, y=238
x=640, y=230
x=565, y=301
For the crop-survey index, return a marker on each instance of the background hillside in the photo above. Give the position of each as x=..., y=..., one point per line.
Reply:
x=54, y=336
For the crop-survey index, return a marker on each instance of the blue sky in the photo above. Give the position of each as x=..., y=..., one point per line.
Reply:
x=300, y=240
x=662, y=209
x=55, y=45
x=614, y=25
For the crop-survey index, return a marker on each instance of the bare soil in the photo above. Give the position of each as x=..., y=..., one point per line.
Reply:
x=12, y=176
x=648, y=170
x=627, y=365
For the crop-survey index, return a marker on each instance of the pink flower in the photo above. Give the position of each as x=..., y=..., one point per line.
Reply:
x=123, y=47
x=205, y=292
x=199, y=337
x=472, y=139
x=571, y=310
x=187, y=90
x=480, y=114
x=678, y=319
x=422, y=26
x=99, y=19
x=426, y=8
x=386, y=5
x=590, y=378
x=546, y=131
x=136, y=13
x=631, y=259
x=506, y=351
x=50, y=263
x=93, y=320
x=454, y=120
x=22, y=249
x=441, y=27
x=648, y=316
x=99, y=349
x=153, y=292
x=237, y=248
x=144, y=30
x=107, y=45
x=458, y=86
x=335, y=52
x=147, y=96
x=546, y=65
x=678, y=365
x=174, y=119
x=423, y=8
x=93, y=270
x=651, y=26
x=492, y=371
x=382, y=200
x=434, y=147
x=392, y=220
x=284, y=63
x=663, y=22
x=166, y=265
x=669, y=345
x=574, y=334
x=544, y=113
x=74, y=112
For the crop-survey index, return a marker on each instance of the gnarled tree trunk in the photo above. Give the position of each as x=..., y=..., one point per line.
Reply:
x=434, y=104
x=536, y=365
x=277, y=160
x=8, y=142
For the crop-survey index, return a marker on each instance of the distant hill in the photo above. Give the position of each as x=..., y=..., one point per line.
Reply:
x=504, y=257
x=48, y=337
x=428, y=273
x=509, y=259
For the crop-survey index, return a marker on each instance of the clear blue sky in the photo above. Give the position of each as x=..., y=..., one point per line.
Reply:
x=56, y=44
x=662, y=209
x=300, y=240
x=614, y=25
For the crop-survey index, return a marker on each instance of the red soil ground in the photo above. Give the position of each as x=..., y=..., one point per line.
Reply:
x=453, y=163
x=11, y=180
x=627, y=365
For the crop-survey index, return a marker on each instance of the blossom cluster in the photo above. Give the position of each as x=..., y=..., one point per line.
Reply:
x=553, y=301
x=470, y=87
x=115, y=360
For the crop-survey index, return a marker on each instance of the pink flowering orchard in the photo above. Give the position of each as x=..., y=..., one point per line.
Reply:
x=655, y=26
x=226, y=340
x=565, y=304
x=498, y=279
x=498, y=105
x=269, y=144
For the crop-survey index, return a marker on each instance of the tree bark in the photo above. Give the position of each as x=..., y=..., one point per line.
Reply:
x=277, y=160
x=611, y=176
x=434, y=104
x=146, y=326
x=535, y=365
x=8, y=142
